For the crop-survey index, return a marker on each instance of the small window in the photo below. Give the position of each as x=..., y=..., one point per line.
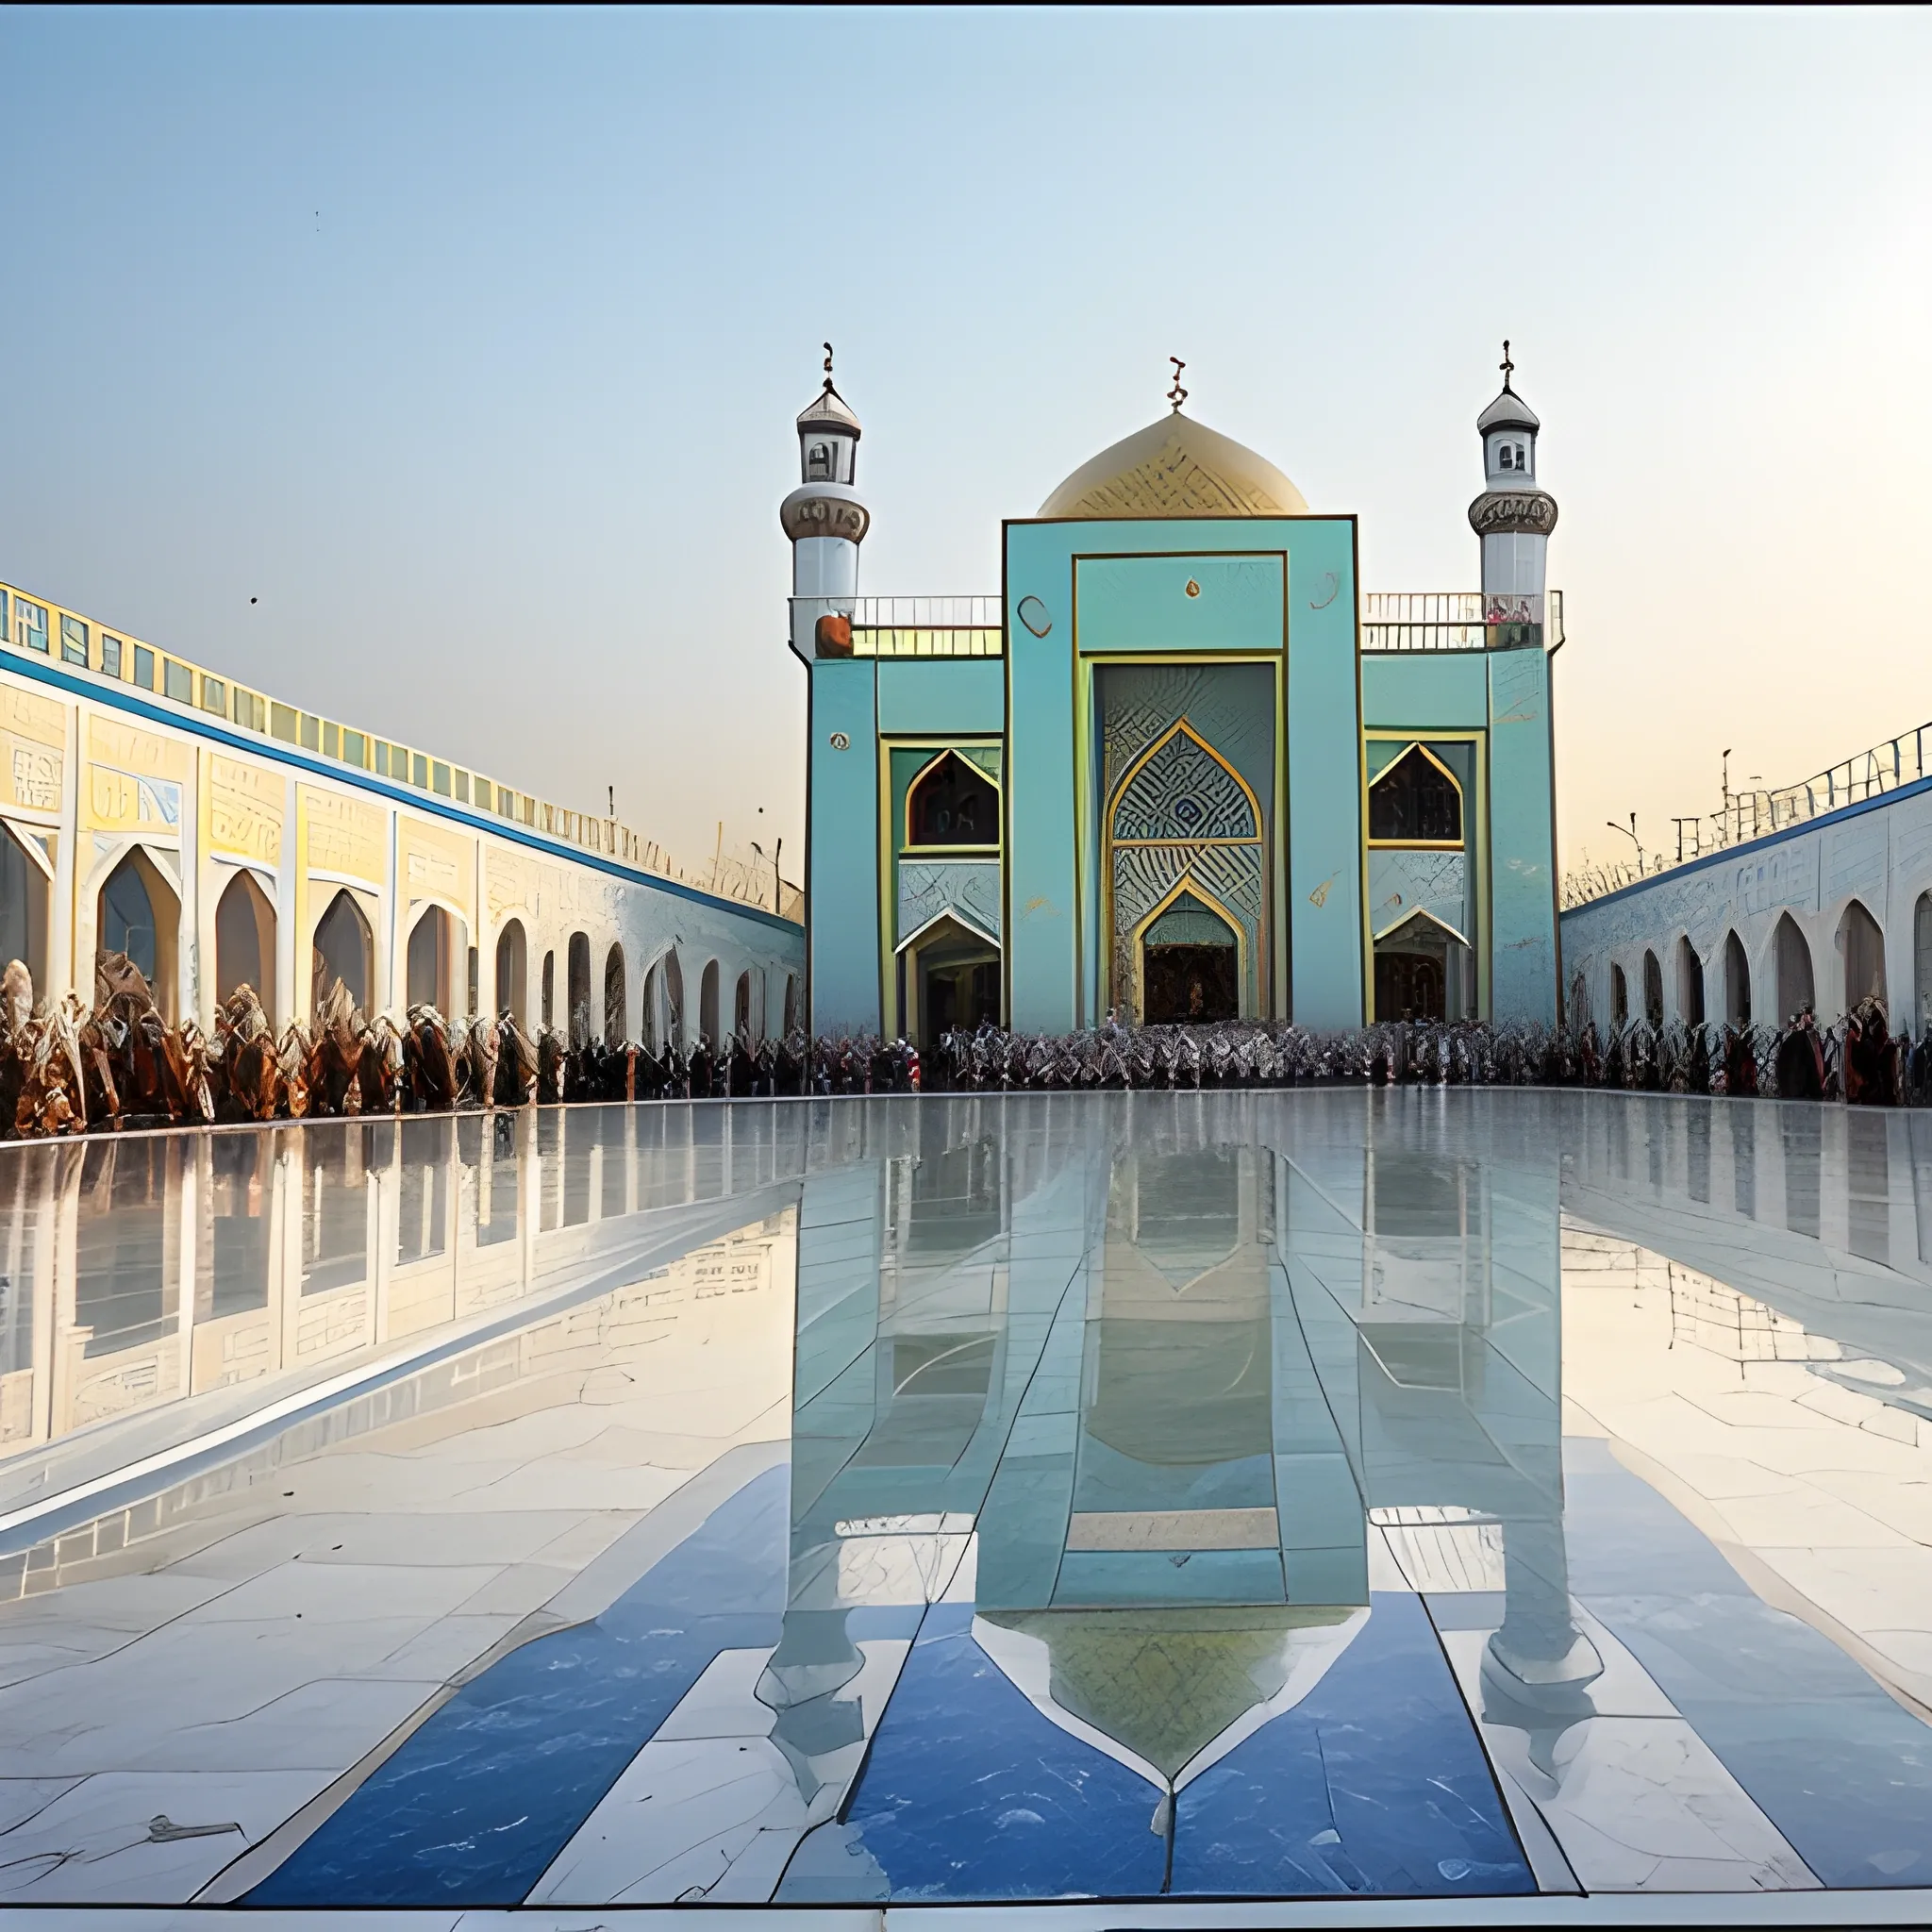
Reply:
x=1508, y=458
x=33, y=625
x=144, y=667
x=312, y=731
x=214, y=696
x=73, y=641
x=180, y=679
x=1520, y=463
x=438, y=780
x=1415, y=802
x=382, y=757
x=818, y=463
x=250, y=710
x=5, y=633
x=483, y=794
x=462, y=780
x=419, y=770
x=529, y=810
x=331, y=740
x=111, y=654
x=953, y=803
x=281, y=723
x=355, y=750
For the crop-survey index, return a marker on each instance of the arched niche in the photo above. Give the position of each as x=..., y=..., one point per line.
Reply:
x=792, y=1016
x=436, y=944
x=550, y=989
x=578, y=988
x=708, y=1003
x=1579, y=1002
x=1620, y=998
x=1922, y=962
x=951, y=803
x=1862, y=947
x=1792, y=957
x=1653, y=989
x=616, y=998
x=1737, y=982
x=245, y=941
x=741, y=1006
x=25, y=902
x=344, y=949
x=1424, y=970
x=512, y=971
x=1416, y=801
x=139, y=914
x=674, y=1002
x=1689, y=983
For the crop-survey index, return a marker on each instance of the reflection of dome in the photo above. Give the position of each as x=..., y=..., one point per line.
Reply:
x=1176, y=468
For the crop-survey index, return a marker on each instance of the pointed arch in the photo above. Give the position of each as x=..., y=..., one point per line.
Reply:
x=1796, y=988
x=344, y=948
x=245, y=941
x=1653, y=989
x=512, y=971
x=139, y=913
x=951, y=803
x=1168, y=797
x=1186, y=885
x=1862, y=947
x=1737, y=982
x=616, y=997
x=26, y=904
x=1690, y=982
x=1416, y=801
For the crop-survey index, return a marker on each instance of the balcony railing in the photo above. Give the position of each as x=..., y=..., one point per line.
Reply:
x=897, y=627
x=1459, y=620
x=1757, y=814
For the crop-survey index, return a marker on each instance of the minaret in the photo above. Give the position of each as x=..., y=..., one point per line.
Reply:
x=1512, y=517
x=827, y=523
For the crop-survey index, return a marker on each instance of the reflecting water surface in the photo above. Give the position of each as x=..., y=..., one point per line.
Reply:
x=1165, y=1496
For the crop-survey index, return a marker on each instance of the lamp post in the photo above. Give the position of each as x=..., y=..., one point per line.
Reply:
x=1629, y=832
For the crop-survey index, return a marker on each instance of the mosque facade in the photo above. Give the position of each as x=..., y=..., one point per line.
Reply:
x=1181, y=768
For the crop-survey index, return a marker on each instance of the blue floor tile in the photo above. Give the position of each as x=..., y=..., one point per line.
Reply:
x=484, y=1795
x=1374, y=1783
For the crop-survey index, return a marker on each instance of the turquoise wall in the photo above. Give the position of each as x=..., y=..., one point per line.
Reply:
x=941, y=695
x=844, y=859
x=1522, y=897
x=1108, y=587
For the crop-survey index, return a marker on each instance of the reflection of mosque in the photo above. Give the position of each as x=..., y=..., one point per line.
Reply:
x=1149, y=1385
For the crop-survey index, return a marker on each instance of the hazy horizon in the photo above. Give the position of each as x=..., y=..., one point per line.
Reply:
x=469, y=343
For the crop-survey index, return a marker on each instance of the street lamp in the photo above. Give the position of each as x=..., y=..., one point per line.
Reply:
x=1629, y=832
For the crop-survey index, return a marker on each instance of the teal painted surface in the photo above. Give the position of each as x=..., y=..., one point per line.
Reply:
x=844, y=882
x=1412, y=690
x=1055, y=957
x=1325, y=828
x=941, y=695
x=1040, y=882
x=1523, y=915
x=1142, y=603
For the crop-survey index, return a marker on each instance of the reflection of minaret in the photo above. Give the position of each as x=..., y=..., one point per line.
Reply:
x=827, y=523
x=1513, y=517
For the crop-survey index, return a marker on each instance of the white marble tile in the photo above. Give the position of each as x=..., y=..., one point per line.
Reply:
x=114, y=1836
x=721, y=1704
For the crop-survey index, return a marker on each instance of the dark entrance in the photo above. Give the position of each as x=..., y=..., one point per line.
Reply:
x=958, y=994
x=1189, y=985
x=1408, y=986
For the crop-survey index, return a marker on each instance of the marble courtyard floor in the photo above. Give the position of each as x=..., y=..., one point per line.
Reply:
x=1323, y=1508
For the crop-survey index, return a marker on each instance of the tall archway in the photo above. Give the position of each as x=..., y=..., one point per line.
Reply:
x=578, y=991
x=25, y=900
x=1579, y=1002
x=512, y=971
x=139, y=914
x=1620, y=998
x=550, y=989
x=1862, y=945
x=650, y=1024
x=1737, y=982
x=1921, y=961
x=616, y=998
x=344, y=949
x=674, y=1002
x=1689, y=983
x=740, y=1006
x=708, y=1003
x=245, y=941
x=1793, y=959
x=1653, y=989
x=792, y=989
x=432, y=960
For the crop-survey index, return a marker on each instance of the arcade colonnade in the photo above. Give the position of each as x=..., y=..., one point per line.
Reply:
x=1824, y=914
x=214, y=857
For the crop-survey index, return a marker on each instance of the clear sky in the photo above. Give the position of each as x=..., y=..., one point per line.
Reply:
x=469, y=345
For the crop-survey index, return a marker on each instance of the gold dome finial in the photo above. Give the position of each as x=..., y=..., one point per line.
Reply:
x=1178, y=395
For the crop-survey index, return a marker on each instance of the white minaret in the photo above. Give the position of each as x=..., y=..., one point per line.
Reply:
x=827, y=523
x=1512, y=516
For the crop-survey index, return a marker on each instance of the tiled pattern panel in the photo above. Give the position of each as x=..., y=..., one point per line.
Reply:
x=1462, y=1500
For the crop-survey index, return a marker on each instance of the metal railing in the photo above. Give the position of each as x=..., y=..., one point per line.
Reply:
x=34, y=627
x=1459, y=620
x=1757, y=814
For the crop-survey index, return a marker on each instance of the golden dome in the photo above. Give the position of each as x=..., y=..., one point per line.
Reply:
x=1176, y=468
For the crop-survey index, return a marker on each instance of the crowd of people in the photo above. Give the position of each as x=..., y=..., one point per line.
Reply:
x=120, y=1064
